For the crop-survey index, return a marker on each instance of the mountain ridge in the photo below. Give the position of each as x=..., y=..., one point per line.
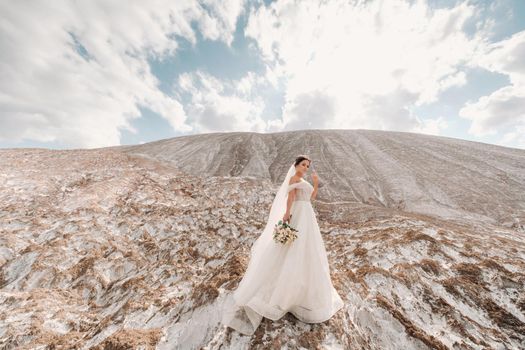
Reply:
x=420, y=173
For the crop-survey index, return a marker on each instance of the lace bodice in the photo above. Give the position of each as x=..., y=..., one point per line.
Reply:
x=304, y=190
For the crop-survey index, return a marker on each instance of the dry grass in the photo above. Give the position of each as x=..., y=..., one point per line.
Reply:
x=125, y=339
x=410, y=327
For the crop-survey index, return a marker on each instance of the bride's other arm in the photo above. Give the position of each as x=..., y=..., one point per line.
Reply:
x=291, y=198
x=315, y=179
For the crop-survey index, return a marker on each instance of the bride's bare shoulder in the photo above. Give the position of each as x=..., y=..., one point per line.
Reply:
x=294, y=179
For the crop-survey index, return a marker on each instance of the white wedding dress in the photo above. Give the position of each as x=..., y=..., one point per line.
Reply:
x=281, y=278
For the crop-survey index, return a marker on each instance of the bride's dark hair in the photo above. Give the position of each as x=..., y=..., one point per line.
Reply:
x=300, y=158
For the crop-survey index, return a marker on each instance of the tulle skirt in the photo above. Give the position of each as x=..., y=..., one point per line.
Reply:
x=291, y=278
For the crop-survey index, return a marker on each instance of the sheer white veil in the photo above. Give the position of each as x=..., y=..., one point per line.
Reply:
x=276, y=213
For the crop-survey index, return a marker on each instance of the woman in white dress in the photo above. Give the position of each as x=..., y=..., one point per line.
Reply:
x=292, y=277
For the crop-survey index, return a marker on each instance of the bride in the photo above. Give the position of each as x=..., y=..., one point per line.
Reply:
x=292, y=277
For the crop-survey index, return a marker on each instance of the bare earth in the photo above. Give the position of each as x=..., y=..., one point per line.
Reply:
x=137, y=246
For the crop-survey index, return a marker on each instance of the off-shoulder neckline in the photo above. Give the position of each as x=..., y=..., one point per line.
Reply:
x=303, y=180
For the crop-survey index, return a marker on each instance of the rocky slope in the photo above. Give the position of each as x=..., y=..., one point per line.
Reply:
x=107, y=248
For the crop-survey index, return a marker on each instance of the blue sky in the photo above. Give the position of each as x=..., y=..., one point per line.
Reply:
x=96, y=74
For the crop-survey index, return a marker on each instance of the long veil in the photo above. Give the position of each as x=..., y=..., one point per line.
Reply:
x=276, y=213
x=235, y=313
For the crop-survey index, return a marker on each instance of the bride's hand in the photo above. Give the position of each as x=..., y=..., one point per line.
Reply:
x=286, y=217
x=315, y=178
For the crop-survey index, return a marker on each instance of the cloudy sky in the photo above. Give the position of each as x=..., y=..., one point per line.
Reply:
x=85, y=74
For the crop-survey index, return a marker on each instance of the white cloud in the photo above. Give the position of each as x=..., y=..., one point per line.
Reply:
x=216, y=105
x=503, y=111
x=221, y=24
x=431, y=126
x=515, y=138
x=312, y=110
x=372, y=62
x=78, y=72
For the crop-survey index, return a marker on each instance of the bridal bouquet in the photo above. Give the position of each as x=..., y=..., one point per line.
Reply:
x=284, y=233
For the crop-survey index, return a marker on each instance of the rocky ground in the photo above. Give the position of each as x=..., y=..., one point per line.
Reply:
x=105, y=249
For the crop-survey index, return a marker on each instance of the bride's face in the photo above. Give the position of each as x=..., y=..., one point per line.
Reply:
x=303, y=166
